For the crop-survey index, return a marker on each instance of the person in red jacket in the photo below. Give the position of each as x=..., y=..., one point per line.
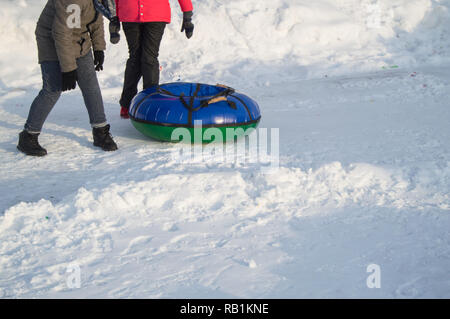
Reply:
x=143, y=22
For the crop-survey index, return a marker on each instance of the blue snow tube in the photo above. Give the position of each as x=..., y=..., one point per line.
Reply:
x=175, y=111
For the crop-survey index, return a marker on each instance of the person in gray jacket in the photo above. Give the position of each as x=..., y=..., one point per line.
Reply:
x=66, y=33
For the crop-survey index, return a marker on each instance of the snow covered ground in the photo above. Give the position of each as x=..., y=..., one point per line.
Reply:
x=360, y=92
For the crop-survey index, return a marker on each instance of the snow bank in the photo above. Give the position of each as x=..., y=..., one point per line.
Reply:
x=344, y=35
x=233, y=38
x=173, y=234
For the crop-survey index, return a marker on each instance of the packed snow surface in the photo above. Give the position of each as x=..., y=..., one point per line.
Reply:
x=359, y=92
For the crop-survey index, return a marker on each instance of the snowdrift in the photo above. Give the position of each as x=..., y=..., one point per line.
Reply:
x=314, y=38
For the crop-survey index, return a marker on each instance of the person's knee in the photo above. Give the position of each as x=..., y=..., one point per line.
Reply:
x=150, y=59
x=50, y=93
x=53, y=86
x=134, y=59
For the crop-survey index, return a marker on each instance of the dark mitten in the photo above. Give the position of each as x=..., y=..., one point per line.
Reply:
x=114, y=29
x=69, y=80
x=187, y=26
x=99, y=58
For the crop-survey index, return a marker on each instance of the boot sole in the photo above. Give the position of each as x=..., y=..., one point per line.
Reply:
x=107, y=150
x=30, y=154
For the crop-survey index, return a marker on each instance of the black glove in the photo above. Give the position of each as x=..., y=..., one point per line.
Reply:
x=69, y=80
x=188, y=26
x=114, y=29
x=99, y=58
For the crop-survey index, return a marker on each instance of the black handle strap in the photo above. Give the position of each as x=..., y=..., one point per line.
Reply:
x=219, y=97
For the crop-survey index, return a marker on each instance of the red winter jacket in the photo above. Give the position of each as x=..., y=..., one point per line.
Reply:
x=148, y=10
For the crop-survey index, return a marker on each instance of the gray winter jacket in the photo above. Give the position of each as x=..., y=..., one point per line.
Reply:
x=67, y=29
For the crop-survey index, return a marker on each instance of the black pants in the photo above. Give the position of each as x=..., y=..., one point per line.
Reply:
x=143, y=41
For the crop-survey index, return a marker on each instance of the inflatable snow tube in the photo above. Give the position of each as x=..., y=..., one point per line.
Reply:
x=194, y=112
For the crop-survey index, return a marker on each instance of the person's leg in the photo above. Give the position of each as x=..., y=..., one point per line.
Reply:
x=40, y=109
x=47, y=97
x=88, y=83
x=151, y=40
x=133, y=68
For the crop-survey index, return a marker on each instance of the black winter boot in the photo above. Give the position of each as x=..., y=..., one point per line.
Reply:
x=28, y=144
x=103, y=139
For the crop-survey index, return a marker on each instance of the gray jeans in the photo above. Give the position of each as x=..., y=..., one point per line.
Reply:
x=51, y=91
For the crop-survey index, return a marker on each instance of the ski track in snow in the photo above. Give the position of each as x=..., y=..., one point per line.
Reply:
x=364, y=178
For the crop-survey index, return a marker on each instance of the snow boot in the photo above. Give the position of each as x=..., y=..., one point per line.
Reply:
x=28, y=144
x=124, y=113
x=103, y=139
